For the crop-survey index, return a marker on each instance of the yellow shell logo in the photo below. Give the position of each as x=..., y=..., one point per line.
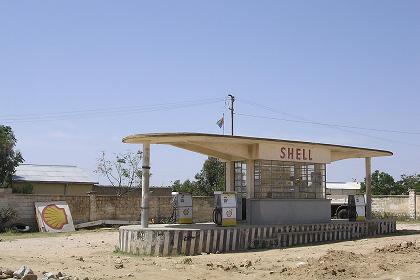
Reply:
x=229, y=213
x=54, y=216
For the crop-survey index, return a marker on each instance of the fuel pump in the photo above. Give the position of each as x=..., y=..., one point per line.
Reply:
x=224, y=212
x=182, y=212
x=360, y=207
x=351, y=208
x=356, y=208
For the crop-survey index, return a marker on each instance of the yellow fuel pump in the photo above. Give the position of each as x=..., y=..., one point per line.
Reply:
x=224, y=212
x=182, y=208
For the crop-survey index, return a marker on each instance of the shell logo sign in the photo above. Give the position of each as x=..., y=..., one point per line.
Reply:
x=186, y=211
x=229, y=213
x=54, y=216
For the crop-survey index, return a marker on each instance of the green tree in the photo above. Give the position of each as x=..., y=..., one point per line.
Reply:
x=211, y=178
x=409, y=182
x=382, y=184
x=9, y=157
x=186, y=186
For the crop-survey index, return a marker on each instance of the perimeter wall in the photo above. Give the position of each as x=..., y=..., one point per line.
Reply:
x=93, y=207
x=403, y=206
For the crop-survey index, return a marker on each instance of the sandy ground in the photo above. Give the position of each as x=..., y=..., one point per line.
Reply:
x=90, y=254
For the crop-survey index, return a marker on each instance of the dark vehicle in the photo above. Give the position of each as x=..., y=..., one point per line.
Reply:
x=339, y=192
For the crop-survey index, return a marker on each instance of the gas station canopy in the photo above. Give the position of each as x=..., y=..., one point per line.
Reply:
x=275, y=189
x=240, y=148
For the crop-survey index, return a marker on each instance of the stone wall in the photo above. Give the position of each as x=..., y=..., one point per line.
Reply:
x=397, y=205
x=105, y=207
x=25, y=205
x=109, y=190
x=418, y=206
x=94, y=207
x=405, y=206
x=203, y=208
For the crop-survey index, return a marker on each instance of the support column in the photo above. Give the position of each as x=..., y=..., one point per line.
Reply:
x=250, y=188
x=250, y=170
x=93, y=215
x=412, y=204
x=324, y=181
x=368, y=166
x=230, y=176
x=145, y=186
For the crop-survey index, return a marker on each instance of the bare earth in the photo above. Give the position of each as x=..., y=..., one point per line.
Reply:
x=90, y=254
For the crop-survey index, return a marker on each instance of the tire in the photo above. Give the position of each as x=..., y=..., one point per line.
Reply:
x=343, y=214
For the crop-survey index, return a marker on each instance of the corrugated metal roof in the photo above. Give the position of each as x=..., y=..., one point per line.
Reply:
x=52, y=173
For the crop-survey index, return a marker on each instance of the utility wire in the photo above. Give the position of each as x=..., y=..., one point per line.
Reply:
x=303, y=120
x=104, y=112
x=112, y=109
x=309, y=122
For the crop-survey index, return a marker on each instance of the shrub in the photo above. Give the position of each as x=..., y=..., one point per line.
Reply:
x=7, y=216
x=387, y=215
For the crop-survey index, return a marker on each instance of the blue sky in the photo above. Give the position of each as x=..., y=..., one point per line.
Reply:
x=348, y=62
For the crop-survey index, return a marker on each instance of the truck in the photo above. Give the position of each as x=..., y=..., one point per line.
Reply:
x=339, y=192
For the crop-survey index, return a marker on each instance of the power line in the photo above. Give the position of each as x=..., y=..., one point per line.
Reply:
x=104, y=112
x=268, y=108
x=304, y=120
x=112, y=109
x=333, y=126
x=316, y=123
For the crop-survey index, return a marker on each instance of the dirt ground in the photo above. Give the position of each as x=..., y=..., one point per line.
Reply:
x=91, y=254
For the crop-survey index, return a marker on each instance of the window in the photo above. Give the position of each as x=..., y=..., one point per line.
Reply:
x=279, y=179
x=240, y=178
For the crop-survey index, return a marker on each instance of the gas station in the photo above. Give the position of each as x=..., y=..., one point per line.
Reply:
x=274, y=197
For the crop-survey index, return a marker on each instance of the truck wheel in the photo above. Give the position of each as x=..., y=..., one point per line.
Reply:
x=343, y=214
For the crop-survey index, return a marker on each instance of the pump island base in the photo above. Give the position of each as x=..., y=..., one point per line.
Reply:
x=194, y=239
x=280, y=197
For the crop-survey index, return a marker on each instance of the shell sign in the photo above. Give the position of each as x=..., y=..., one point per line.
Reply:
x=54, y=216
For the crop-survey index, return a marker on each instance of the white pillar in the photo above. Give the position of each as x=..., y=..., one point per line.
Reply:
x=368, y=188
x=250, y=170
x=230, y=169
x=145, y=186
x=412, y=203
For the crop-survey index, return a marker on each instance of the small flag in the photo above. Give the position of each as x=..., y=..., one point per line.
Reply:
x=221, y=122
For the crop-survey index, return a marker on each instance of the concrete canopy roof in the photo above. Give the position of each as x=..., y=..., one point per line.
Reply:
x=238, y=148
